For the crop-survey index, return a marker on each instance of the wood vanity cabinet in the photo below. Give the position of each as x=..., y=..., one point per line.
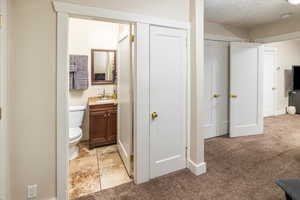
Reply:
x=102, y=125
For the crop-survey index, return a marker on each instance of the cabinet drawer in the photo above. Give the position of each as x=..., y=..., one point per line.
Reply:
x=103, y=107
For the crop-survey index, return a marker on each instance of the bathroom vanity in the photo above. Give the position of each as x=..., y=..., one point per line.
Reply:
x=102, y=122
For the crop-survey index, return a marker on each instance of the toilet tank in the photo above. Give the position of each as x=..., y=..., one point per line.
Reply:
x=76, y=114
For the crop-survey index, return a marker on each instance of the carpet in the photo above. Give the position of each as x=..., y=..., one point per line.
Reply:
x=242, y=168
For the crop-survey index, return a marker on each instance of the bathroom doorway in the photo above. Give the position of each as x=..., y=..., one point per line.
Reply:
x=101, y=105
x=163, y=36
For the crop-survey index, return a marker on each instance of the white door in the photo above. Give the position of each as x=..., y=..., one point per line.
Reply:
x=4, y=142
x=124, y=87
x=246, y=89
x=270, y=78
x=168, y=65
x=216, y=88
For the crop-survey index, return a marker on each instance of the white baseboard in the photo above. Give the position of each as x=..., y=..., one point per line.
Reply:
x=197, y=169
x=281, y=112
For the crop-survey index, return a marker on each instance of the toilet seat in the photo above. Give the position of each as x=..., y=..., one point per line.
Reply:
x=75, y=134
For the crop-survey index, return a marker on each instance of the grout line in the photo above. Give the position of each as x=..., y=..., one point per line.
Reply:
x=98, y=164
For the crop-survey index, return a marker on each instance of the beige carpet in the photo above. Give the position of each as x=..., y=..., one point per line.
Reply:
x=238, y=169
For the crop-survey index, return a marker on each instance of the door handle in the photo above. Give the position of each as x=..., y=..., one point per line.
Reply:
x=154, y=115
x=233, y=96
x=274, y=88
x=216, y=95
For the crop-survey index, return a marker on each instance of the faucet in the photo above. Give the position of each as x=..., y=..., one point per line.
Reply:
x=103, y=93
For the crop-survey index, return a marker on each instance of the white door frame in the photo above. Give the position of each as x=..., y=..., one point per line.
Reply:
x=141, y=86
x=4, y=151
x=275, y=84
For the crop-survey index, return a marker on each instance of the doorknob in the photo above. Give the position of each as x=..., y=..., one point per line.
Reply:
x=154, y=115
x=233, y=96
x=274, y=88
x=216, y=95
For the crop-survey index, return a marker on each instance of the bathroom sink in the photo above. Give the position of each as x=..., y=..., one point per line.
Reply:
x=105, y=98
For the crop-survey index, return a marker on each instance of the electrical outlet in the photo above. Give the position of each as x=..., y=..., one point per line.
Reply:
x=31, y=191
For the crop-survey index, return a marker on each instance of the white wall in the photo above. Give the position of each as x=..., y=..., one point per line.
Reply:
x=219, y=30
x=85, y=35
x=288, y=55
x=32, y=86
x=169, y=9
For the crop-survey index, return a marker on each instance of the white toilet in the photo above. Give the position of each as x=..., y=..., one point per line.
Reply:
x=76, y=114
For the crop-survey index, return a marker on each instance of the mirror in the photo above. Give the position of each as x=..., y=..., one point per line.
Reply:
x=103, y=66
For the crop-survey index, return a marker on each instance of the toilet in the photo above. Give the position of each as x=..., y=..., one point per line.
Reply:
x=76, y=114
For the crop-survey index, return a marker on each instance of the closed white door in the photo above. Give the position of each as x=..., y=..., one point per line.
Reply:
x=216, y=88
x=124, y=88
x=270, y=78
x=168, y=65
x=246, y=89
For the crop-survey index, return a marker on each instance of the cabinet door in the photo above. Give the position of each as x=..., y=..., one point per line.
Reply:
x=98, y=127
x=112, y=126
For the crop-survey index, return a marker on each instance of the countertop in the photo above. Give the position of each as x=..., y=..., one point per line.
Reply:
x=98, y=101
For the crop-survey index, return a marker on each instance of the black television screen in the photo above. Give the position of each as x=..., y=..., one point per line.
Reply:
x=296, y=77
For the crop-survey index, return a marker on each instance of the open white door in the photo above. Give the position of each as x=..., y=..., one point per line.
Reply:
x=168, y=65
x=246, y=89
x=270, y=81
x=124, y=87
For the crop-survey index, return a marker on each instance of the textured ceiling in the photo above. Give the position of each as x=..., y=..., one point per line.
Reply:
x=248, y=13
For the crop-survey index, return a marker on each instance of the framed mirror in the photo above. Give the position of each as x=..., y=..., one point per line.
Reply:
x=103, y=66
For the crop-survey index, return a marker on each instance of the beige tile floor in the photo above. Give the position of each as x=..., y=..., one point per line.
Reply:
x=96, y=170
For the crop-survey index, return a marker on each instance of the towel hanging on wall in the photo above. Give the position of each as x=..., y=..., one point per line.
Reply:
x=78, y=68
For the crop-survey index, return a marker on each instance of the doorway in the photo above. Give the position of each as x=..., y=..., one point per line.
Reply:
x=142, y=116
x=100, y=105
x=281, y=57
x=233, y=89
x=217, y=88
x=270, y=81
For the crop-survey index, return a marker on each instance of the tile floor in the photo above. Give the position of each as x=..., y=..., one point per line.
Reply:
x=95, y=170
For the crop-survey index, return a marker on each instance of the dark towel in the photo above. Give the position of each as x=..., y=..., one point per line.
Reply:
x=78, y=72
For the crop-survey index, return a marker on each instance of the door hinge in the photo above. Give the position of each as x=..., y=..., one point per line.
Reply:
x=0, y=113
x=131, y=158
x=186, y=152
x=132, y=38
